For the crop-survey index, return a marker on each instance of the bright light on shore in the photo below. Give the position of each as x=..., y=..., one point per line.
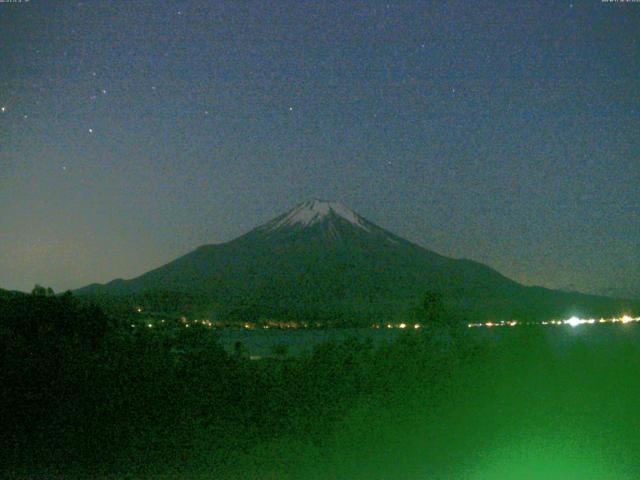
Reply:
x=573, y=321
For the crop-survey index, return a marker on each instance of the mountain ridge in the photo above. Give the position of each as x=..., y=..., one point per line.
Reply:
x=321, y=260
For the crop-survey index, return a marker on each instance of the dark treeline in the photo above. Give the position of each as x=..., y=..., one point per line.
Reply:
x=80, y=390
x=430, y=307
x=83, y=397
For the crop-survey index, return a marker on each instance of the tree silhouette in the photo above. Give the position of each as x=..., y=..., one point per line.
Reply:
x=434, y=312
x=40, y=291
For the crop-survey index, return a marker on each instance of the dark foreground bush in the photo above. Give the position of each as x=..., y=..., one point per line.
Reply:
x=142, y=403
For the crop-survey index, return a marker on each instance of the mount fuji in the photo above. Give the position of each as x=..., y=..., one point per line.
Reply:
x=322, y=261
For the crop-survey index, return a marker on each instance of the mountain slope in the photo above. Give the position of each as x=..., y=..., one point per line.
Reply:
x=323, y=261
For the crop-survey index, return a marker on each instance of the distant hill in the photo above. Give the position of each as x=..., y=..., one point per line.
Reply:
x=323, y=261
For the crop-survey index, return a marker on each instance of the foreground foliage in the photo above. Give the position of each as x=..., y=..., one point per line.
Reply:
x=86, y=398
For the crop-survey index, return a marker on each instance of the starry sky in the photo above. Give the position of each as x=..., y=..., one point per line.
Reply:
x=503, y=132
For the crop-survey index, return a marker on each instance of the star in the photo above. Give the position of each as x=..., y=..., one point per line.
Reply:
x=91, y=130
x=104, y=92
x=291, y=109
x=25, y=116
x=3, y=109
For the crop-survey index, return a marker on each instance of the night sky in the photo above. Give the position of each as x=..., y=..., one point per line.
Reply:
x=132, y=132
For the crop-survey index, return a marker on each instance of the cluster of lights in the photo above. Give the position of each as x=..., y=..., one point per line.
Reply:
x=573, y=322
x=401, y=326
x=203, y=322
x=209, y=324
x=502, y=323
x=148, y=325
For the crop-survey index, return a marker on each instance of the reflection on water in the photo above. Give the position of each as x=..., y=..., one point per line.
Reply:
x=262, y=342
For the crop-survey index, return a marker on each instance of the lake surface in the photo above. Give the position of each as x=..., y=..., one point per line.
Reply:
x=263, y=342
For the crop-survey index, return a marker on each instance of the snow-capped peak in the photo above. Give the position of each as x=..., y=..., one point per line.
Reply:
x=315, y=211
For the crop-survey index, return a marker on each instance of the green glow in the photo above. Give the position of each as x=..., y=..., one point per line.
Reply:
x=544, y=459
